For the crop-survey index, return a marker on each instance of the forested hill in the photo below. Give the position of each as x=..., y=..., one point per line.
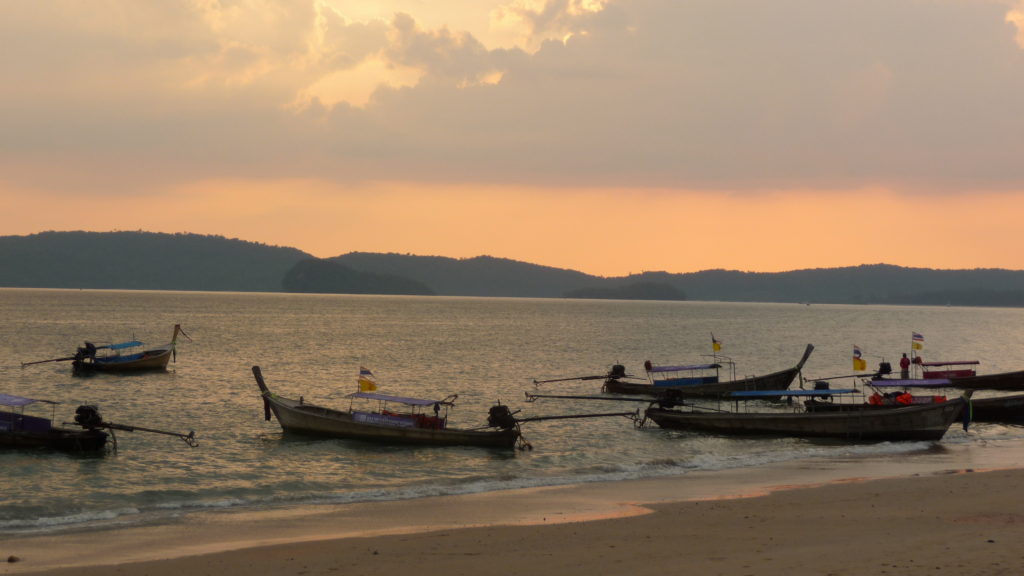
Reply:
x=865, y=284
x=153, y=261
x=479, y=276
x=143, y=261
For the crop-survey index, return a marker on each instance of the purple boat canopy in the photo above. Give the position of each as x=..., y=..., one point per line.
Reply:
x=18, y=401
x=929, y=383
x=687, y=368
x=399, y=399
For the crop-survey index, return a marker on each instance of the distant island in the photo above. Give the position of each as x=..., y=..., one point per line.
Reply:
x=157, y=261
x=635, y=291
x=323, y=276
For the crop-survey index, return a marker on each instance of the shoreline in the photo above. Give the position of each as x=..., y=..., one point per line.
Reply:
x=319, y=531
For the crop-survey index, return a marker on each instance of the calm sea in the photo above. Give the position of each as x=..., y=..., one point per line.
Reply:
x=483, y=349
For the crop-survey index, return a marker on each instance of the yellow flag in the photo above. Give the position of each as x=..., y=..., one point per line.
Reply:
x=366, y=382
x=716, y=345
x=858, y=362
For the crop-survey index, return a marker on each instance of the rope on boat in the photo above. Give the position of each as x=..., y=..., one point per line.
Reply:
x=641, y=423
x=521, y=442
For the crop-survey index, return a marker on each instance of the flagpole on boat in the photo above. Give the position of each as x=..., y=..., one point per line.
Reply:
x=916, y=343
x=716, y=347
x=913, y=355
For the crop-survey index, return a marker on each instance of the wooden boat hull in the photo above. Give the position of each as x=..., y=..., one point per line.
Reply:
x=1001, y=381
x=55, y=439
x=1006, y=409
x=319, y=421
x=156, y=359
x=923, y=422
x=1003, y=409
x=780, y=380
x=24, y=431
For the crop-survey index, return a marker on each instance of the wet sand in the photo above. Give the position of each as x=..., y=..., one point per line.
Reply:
x=950, y=509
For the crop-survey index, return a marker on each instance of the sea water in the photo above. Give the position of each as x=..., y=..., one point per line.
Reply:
x=485, y=350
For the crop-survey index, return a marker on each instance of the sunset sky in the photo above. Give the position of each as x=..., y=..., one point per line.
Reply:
x=610, y=137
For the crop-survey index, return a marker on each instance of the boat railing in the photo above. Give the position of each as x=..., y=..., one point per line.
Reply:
x=725, y=362
x=788, y=397
x=945, y=369
x=390, y=420
x=685, y=374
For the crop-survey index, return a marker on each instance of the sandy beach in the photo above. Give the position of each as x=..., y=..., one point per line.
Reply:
x=950, y=509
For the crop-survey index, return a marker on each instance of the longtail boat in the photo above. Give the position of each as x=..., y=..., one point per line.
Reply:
x=130, y=356
x=1001, y=381
x=701, y=380
x=394, y=420
x=914, y=422
x=21, y=430
x=962, y=374
x=1005, y=409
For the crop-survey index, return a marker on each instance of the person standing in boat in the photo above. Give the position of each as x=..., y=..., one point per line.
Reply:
x=905, y=367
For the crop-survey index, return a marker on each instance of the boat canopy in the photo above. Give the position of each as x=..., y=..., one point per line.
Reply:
x=951, y=363
x=691, y=367
x=400, y=399
x=123, y=345
x=18, y=401
x=775, y=393
x=913, y=383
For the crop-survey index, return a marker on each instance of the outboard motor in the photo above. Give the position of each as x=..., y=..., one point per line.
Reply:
x=88, y=416
x=617, y=371
x=500, y=416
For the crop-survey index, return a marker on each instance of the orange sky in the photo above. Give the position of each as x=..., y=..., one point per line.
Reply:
x=607, y=136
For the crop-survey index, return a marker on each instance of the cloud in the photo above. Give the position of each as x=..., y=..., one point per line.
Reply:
x=535, y=22
x=712, y=94
x=1016, y=17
